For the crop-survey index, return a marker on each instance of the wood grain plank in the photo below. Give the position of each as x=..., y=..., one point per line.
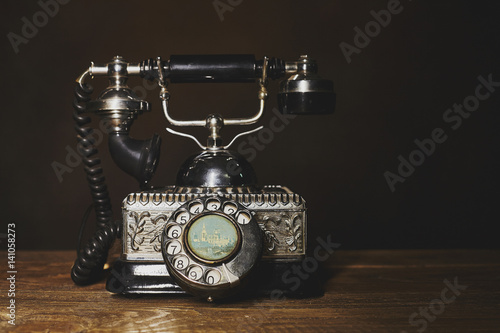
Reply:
x=366, y=291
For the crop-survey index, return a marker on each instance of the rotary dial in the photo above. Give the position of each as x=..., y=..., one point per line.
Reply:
x=210, y=245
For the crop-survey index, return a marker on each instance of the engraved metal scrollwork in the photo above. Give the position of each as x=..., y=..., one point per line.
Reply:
x=293, y=229
x=280, y=214
x=157, y=232
x=268, y=227
x=137, y=228
x=272, y=226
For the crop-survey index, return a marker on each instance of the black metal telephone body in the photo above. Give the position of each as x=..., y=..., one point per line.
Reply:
x=216, y=229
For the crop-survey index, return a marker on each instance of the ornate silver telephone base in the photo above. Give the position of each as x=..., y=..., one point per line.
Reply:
x=171, y=226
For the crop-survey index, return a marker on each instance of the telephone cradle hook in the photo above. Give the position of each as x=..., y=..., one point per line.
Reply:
x=214, y=122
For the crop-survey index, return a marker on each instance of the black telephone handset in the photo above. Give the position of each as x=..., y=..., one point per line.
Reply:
x=215, y=227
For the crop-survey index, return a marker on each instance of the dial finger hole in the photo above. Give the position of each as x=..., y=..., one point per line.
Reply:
x=196, y=208
x=182, y=217
x=230, y=208
x=195, y=272
x=174, y=231
x=181, y=262
x=243, y=218
x=213, y=276
x=213, y=204
x=174, y=247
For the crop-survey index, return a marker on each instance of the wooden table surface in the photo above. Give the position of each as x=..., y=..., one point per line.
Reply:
x=367, y=291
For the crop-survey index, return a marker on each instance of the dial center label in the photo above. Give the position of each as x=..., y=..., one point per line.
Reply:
x=212, y=237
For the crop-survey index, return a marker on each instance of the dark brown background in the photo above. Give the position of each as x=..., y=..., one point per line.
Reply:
x=395, y=91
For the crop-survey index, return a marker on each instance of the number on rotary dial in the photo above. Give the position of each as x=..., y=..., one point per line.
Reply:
x=174, y=247
x=195, y=272
x=174, y=231
x=182, y=217
x=230, y=208
x=213, y=204
x=196, y=208
x=243, y=218
x=213, y=276
x=181, y=262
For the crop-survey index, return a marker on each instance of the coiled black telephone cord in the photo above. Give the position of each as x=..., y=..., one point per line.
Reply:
x=88, y=266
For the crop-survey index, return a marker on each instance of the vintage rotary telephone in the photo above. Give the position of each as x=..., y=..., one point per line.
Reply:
x=215, y=230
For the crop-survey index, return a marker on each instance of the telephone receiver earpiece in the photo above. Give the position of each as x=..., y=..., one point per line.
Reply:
x=118, y=105
x=305, y=92
x=304, y=95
